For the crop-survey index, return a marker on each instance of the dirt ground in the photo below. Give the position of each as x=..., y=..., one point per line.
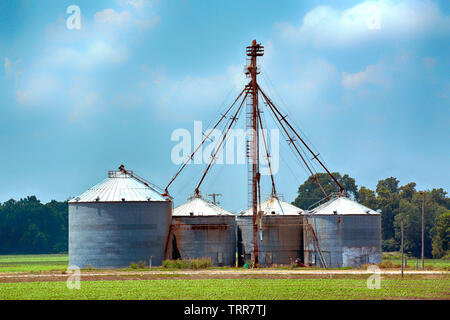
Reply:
x=216, y=274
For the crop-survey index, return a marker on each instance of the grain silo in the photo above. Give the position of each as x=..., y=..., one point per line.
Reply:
x=280, y=233
x=201, y=229
x=121, y=220
x=342, y=233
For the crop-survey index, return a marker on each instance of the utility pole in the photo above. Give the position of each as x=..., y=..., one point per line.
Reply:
x=423, y=227
x=401, y=226
x=214, y=195
x=254, y=51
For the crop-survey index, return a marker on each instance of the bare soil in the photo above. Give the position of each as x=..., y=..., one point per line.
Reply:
x=99, y=275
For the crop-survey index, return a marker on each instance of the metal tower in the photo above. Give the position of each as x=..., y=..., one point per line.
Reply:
x=254, y=51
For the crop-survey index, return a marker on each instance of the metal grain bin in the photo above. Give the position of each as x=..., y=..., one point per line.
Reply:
x=280, y=234
x=201, y=229
x=119, y=221
x=342, y=233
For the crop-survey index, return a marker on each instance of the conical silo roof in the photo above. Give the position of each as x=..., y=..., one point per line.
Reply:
x=342, y=206
x=275, y=206
x=197, y=206
x=120, y=186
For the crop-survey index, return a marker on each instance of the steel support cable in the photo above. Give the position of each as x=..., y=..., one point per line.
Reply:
x=315, y=156
x=292, y=152
x=301, y=161
x=234, y=118
x=222, y=107
x=293, y=143
x=295, y=124
x=274, y=191
x=311, y=164
x=299, y=156
x=203, y=141
x=341, y=189
x=313, y=175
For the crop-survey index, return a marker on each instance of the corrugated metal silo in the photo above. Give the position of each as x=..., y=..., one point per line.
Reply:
x=280, y=235
x=342, y=233
x=201, y=229
x=121, y=220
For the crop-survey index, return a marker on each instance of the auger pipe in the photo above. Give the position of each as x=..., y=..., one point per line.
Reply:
x=197, y=192
x=341, y=189
x=205, y=138
x=295, y=146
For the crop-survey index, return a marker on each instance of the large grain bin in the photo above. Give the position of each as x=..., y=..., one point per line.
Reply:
x=201, y=229
x=119, y=221
x=342, y=233
x=280, y=234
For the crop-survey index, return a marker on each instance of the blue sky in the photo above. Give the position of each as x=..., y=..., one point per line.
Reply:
x=77, y=103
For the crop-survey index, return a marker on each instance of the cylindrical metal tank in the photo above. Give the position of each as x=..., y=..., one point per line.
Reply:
x=201, y=229
x=120, y=221
x=342, y=233
x=280, y=234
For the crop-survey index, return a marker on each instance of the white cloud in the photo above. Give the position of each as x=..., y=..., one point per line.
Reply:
x=372, y=74
x=96, y=53
x=12, y=67
x=191, y=96
x=110, y=16
x=326, y=26
x=135, y=14
x=138, y=4
x=39, y=89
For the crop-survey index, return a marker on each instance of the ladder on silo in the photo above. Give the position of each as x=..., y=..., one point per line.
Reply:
x=316, y=243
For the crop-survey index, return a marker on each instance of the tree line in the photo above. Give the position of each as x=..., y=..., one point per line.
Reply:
x=29, y=227
x=396, y=203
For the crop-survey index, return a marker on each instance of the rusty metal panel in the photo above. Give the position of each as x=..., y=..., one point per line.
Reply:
x=280, y=239
x=112, y=235
x=204, y=237
x=345, y=240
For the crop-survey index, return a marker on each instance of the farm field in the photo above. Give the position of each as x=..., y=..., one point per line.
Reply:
x=232, y=289
x=32, y=277
x=33, y=263
x=396, y=258
x=59, y=262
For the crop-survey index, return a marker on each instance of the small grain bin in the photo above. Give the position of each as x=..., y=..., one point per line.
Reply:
x=342, y=233
x=121, y=220
x=201, y=229
x=280, y=233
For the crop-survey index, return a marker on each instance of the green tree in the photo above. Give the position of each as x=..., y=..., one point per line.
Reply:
x=411, y=215
x=391, y=184
x=309, y=192
x=440, y=197
x=28, y=226
x=367, y=197
x=407, y=191
x=388, y=199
